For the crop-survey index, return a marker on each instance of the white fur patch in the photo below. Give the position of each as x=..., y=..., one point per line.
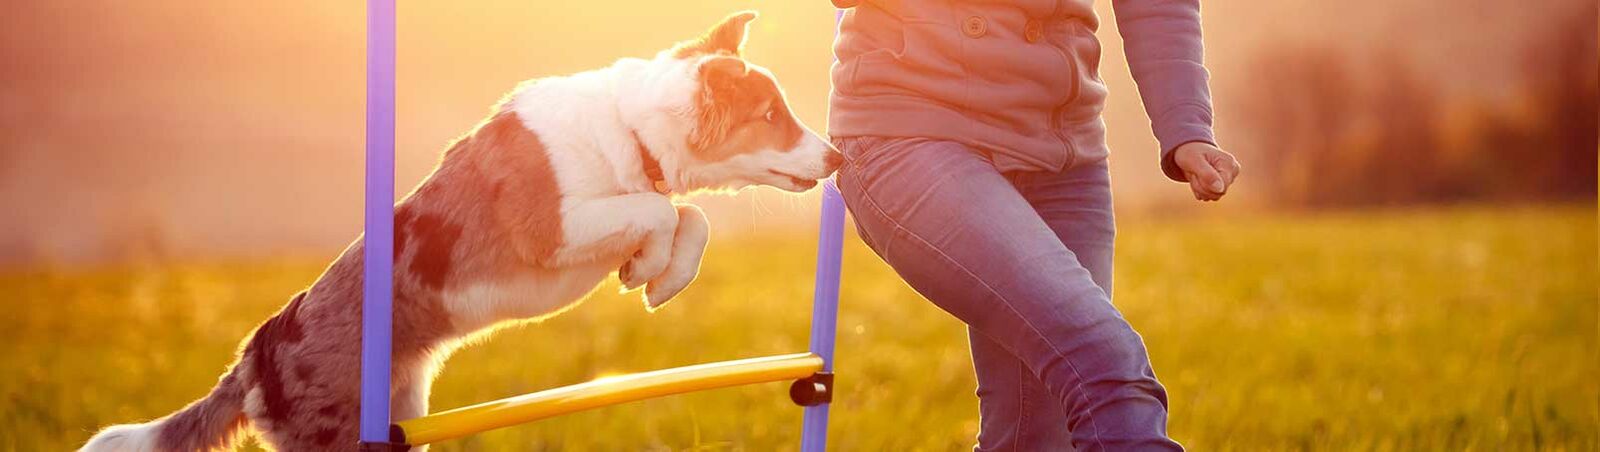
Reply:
x=533, y=296
x=124, y=438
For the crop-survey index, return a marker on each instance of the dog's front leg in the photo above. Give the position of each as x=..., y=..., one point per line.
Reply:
x=640, y=225
x=688, y=245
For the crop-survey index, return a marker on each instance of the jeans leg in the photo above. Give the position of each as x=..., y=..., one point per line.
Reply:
x=960, y=234
x=1015, y=410
x=1076, y=203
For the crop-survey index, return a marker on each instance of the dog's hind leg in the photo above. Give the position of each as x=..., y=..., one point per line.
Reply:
x=688, y=245
x=410, y=402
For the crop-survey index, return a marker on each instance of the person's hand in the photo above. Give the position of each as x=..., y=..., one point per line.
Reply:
x=1210, y=170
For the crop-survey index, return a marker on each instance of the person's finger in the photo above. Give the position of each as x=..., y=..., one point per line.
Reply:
x=1200, y=194
x=1227, y=167
x=1194, y=189
x=1208, y=180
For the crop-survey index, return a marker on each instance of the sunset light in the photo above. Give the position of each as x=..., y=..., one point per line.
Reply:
x=847, y=225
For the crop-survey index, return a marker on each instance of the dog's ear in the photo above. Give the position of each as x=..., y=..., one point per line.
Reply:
x=725, y=38
x=720, y=83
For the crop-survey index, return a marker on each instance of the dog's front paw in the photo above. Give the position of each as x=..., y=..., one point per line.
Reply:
x=687, y=248
x=643, y=268
x=655, y=250
x=662, y=289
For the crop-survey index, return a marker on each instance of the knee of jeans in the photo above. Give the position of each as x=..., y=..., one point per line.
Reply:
x=1121, y=355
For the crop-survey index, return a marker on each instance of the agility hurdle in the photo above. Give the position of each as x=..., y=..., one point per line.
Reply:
x=811, y=373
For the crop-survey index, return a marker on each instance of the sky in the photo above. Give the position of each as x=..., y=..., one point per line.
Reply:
x=233, y=128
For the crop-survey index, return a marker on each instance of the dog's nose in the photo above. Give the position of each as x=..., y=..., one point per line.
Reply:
x=834, y=160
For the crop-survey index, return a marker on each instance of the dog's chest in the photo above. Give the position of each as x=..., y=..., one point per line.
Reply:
x=532, y=294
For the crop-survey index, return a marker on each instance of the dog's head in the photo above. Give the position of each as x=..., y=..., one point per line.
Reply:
x=736, y=127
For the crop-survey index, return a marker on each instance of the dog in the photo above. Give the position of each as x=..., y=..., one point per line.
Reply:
x=569, y=179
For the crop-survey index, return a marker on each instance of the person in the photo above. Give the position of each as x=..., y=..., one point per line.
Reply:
x=976, y=167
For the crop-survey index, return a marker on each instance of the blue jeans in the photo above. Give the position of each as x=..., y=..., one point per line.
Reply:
x=1025, y=260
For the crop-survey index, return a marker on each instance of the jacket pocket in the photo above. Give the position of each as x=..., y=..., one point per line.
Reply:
x=877, y=40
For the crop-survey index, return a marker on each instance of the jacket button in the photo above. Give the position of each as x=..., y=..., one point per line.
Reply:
x=974, y=27
x=1034, y=31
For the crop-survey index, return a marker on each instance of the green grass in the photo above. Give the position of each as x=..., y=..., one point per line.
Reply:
x=1455, y=329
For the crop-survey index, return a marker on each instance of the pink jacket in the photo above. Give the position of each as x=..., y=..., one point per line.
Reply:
x=1017, y=79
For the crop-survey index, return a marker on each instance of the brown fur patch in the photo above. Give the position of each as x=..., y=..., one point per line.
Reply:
x=304, y=371
x=281, y=330
x=740, y=110
x=528, y=188
x=511, y=169
x=328, y=410
x=435, y=240
x=325, y=436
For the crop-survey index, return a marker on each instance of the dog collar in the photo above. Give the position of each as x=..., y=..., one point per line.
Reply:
x=651, y=166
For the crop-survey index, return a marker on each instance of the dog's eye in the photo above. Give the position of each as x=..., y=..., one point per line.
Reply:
x=772, y=115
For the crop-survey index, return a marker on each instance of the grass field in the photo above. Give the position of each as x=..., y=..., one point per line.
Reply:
x=1453, y=329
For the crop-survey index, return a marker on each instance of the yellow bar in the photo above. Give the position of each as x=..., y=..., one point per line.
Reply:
x=606, y=391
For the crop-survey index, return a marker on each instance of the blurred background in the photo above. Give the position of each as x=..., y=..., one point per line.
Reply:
x=1409, y=261
x=235, y=128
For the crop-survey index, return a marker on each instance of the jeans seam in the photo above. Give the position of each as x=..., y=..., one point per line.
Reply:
x=1022, y=403
x=873, y=205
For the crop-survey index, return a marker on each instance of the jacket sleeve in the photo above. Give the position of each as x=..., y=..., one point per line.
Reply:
x=1162, y=41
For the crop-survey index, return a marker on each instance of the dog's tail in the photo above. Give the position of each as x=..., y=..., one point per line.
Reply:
x=211, y=423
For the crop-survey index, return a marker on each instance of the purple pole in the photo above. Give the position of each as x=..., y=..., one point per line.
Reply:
x=825, y=300
x=377, y=288
x=825, y=309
